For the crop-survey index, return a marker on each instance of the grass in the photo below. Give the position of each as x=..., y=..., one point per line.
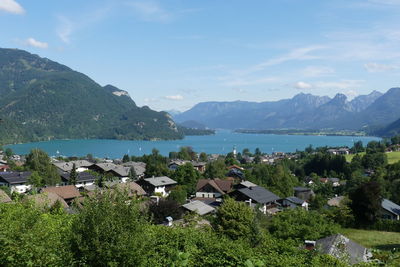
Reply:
x=373, y=239
x=393, y=157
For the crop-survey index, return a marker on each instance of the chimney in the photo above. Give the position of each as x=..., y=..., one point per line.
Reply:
x=309, y=244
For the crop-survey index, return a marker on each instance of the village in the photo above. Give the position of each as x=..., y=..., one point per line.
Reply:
x=190, y=183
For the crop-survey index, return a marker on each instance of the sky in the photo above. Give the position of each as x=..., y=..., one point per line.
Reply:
x=173, y=54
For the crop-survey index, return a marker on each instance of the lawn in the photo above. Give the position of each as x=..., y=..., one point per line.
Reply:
x=373, y=239
x=393, y=157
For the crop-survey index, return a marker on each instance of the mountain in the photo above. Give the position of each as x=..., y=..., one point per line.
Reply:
x=303, y=111
x=388, y=131
x=41, y=99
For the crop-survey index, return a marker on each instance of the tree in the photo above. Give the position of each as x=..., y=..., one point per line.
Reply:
x=8, y=152
x=39, y=161
x=301, y=225
x=186, y=175
x=215, y=169
x=366, y=202
x=164, y=208
x=235, y=219
x=132, y=174
x=35, y=179
x=203, y=157
x=178, y=194
x=73, y=176
x=125, y=158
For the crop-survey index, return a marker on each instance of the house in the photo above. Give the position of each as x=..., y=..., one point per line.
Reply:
x=66, y=192
x=173, y=165
x=198, y=207
x=4, y=198
x=140, y=167
x=46, y=200
x=131, y=188
x=237, y=174
x=390, y=210
x=294, y=202
x=334, y=181
x=339, y=151
x=199, y=166
x=214, y=188
x=4, y=167
x=122, y=172
x=340, y=247
x=82, y=179
x=17, y=181
x=335, y=202
x=303, y=193
x=160, y=185
x=245, y=184
x=257, y=195
x=80, y=165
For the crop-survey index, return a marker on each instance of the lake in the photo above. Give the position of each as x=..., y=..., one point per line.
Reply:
x=220, y=143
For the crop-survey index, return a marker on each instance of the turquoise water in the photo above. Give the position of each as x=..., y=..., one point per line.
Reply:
x=220, y=143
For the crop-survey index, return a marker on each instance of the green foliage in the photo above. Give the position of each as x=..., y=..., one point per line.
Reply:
x=55, y=102
x=40, y=162
x=163, y=208
x=366, y=202
x=178, y=194
x=35, y=179
x=125, y=158
x=203, y=157
x=301, y=225
x=108, y=232
x=235, y=219
x=215, y=169
x=33, y=238
x=132, y=174
x=73, y=175
x=186, y=175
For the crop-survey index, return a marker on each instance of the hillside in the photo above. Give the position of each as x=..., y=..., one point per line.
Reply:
x=41, y=99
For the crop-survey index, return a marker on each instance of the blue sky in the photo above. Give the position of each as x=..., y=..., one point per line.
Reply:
x=173, y=54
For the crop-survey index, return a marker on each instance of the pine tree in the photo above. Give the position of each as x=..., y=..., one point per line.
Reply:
x=73, y=176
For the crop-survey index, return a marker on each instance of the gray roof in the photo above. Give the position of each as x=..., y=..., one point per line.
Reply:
x=199, y=207
x=15, y=177
x=117, y=169
x=248, y=184
x=295, y=200
x=67, y=166
x=140, y=167
x=160, y=181
x=259, y=194
x=301, y=189
x=340, y=246
x=391, y=206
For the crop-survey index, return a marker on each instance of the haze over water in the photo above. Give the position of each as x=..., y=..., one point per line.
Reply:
x=220, y=143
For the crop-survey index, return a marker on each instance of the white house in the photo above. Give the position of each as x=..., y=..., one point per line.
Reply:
x=17, y=181
x=157, y=185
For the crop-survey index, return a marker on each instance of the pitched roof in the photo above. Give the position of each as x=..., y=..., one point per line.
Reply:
x=66, y=192
x=199, y=207
x=391, y=206
x=259, y=194
x=117, y=169
x=247, y=184
x=46, y=200
x=132, y=188
x=160, y=181
x=295, y=200
x=335, y=202
x=81, y=177
x=301, y=189
x=140, y=167
x=4, y=198
x=67, y=166
x=222, y=186
x=15, y=177
x=340, y=246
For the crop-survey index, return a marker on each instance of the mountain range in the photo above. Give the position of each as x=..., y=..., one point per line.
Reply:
x=41, y=99
x=370, y=113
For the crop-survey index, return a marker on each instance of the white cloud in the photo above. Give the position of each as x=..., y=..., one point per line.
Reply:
x=150, y=11
x=303, y=85
x=246, y=81
x=65, y=29
x=11, y=6
x=35, y=43
x=174, y=97
x=317, y=71
x=376, y=67
x=351, y=94
x=343, y=84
